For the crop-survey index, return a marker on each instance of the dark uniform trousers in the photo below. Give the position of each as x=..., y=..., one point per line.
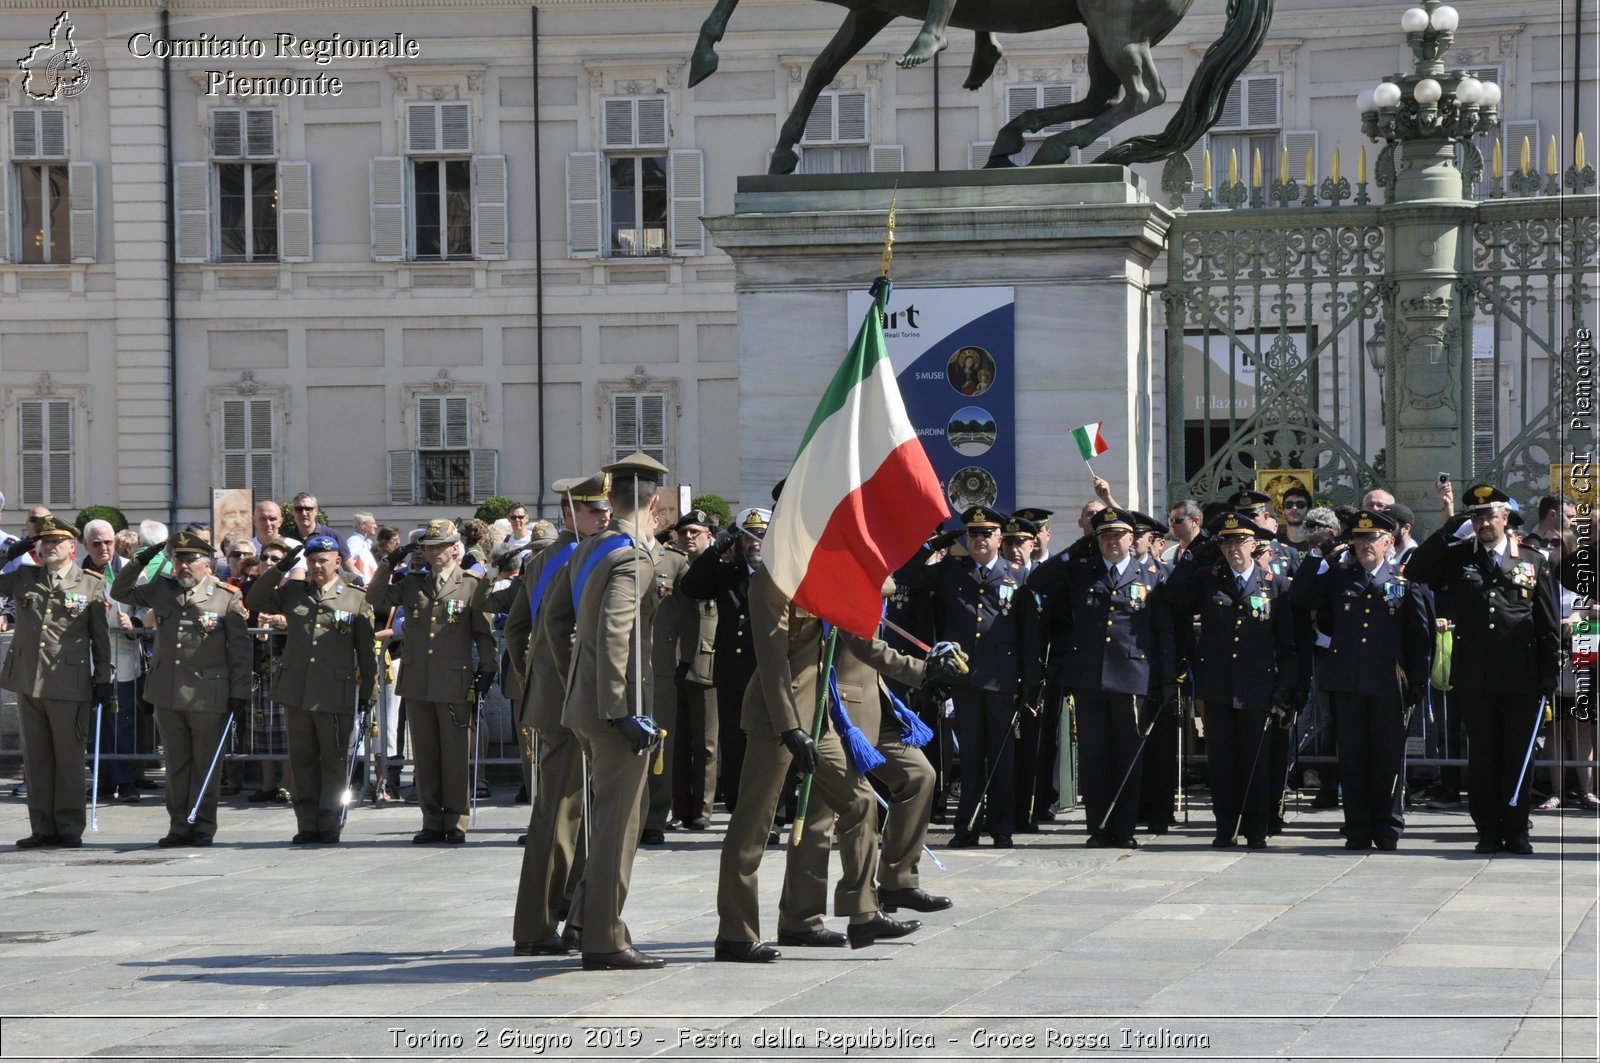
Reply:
x=1235, y=752
x=805, y=884
x=442, y=766
x=1158, y=787
x=1035, y=759
x=988, y=753
x=694, y=751
x=617, y=811
x=1499, y=728
x=1372, y=754
x=909, y=779
x=190, y=740
x=1111, y=723
x=54, y=735
x=319, y=750
x=553, y=858
x=658, y=786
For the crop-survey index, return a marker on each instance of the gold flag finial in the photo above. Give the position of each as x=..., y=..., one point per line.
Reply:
x=1578, y=160
x=888, y=235
x=1552, y=156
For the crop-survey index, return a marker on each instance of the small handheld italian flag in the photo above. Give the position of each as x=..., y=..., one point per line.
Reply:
x=1091, y=444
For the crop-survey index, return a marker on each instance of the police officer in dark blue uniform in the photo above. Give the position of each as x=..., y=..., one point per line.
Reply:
x=1507, y=638
x=1243, y=664
x=981, y=603
x=1377, y=669
x=1118, y=667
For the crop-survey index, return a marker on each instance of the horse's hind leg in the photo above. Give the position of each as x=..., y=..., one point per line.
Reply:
x=1102, y=86
x=858, y=28
x=1142, y=89
x=704, y=62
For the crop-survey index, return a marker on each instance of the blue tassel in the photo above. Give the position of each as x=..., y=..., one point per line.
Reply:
x=913, y=732
x=863, y=754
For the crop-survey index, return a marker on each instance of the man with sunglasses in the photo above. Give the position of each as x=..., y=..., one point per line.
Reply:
x=1295, y=504
x=303, y=508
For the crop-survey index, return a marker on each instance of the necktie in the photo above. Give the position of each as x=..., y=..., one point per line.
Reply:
x=1239, y=578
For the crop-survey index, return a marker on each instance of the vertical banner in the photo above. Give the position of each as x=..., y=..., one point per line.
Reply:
x=954, y=355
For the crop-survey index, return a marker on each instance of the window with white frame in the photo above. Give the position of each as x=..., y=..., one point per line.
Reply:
x=47, y=201
x=439, y=202
x=1250, y=126
x=639, y=424
x=835, y=139
x=637, y=197
x=249, y=428
x=443, y=468
x=245, y=205
x=44, y=445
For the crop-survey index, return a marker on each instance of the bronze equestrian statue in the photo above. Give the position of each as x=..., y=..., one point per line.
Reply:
x=1123, y=81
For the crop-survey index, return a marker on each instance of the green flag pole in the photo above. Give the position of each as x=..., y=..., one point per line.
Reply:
x=816, y=735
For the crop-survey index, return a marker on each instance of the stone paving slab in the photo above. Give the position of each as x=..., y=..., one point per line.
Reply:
x=387, y=951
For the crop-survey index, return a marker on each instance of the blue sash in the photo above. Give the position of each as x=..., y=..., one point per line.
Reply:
x=606, y=546
x=557, y=562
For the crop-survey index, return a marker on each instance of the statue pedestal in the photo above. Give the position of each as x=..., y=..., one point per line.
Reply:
x=1075, y=243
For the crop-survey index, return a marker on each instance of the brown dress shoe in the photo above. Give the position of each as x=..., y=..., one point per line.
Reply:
x=628, y=959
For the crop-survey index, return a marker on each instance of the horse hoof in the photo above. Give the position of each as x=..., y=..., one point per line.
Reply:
x=702, y=65
x=784, y=160
x=998, y=162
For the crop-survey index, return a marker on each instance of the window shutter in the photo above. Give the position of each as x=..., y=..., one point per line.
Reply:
x=30, y=420
x=485, y=474
x=24, y=133
x=193, y=194
x=489, y=229
x=819, y=125
x=430, y=422
x=457, y=423
x=261, y=133
x=686, y=174
x=1020, y=98
x=82, y=199
x=653, y=426
x=850, y=118
x=888, y=158
x=422, y=133
x=652, y=121
x=455, y=127
x=978, y=154
x=583, y=204
x=263, y=447
x=227, y=133
x=1261, y=98
x=438, y=128
x=617, y=123
x=46, y=450
x=1516, y=132
x=402, y=477
x=235, y=445
x=387, y=181
x=1299, y=143
x=624, y=426
x=39, y=133
x=5, y=221
x=248, y=426
x=294, y=211
x=1483, y=389
x=1232, y=108
x=59, y=451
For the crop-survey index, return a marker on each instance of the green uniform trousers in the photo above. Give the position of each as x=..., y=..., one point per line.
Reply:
x=617, y=810
x=319, y=749
x=441, y=758
x=553, y=856
x=54, y=735
x=190, y=740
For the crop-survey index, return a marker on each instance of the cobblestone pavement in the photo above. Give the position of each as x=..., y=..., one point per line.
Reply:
x=379, y=949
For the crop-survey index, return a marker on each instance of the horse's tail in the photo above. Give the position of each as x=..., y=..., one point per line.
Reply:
x=1241, y=39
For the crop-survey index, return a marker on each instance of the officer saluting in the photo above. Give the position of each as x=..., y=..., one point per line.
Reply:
x=980, y=603
x=1243, y=663
x=199, y=678
x=330, y=665
x=60, y=657
x=1119, y=654
x=1507, y=639
x=444, y=622
x=1378, y=658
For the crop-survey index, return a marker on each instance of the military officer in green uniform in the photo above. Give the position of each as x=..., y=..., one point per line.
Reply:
x=329, y=663
x=199, y=677
x=693, y=743
x=60, y=659
x=608, y=695
x=539, y=628
x=439, y=681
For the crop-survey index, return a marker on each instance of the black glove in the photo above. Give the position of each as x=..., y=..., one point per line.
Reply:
x=237, y=707
x=288, y=561
x=482, y=683
x=1548, y=684
x=638, y=731
x=1169, y=693
x=945, y=540
x=945, y=662
x=722, y=542
x=802, y=748
x=144, y=556
x=1283, y=708
x=20, y=547
x=106, y=694
x=396, y=556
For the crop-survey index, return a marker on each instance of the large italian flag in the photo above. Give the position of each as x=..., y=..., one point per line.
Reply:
x=861, y=497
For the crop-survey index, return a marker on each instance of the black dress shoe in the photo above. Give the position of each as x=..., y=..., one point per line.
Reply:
x=1387, y=845
x=1325, y=799
x=1357, y=843
x=572, y=937
x=652, y=837
x=1096, y=841
x=427, y=837
x=881, y=926
x=963, y=840
x=916, y=899
x=1521, y=846
x=305, y=837
x=550, y=946
x=70, y=841
x=812, y=939
x=262, y=796
x=1121, y=843
x=744, y=952
x=1220, y=842
x=629, y=959
x=328, y=837
x=1487, y=846
x=1157, y=828
x=772, y=836
x=522, y=839
x=36, y=841
x=455, y=836
x=1002, y=841
x=174, y=841
x=200, y=841
x=697, y=824
x=1027, y=828
x=1256, y=843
